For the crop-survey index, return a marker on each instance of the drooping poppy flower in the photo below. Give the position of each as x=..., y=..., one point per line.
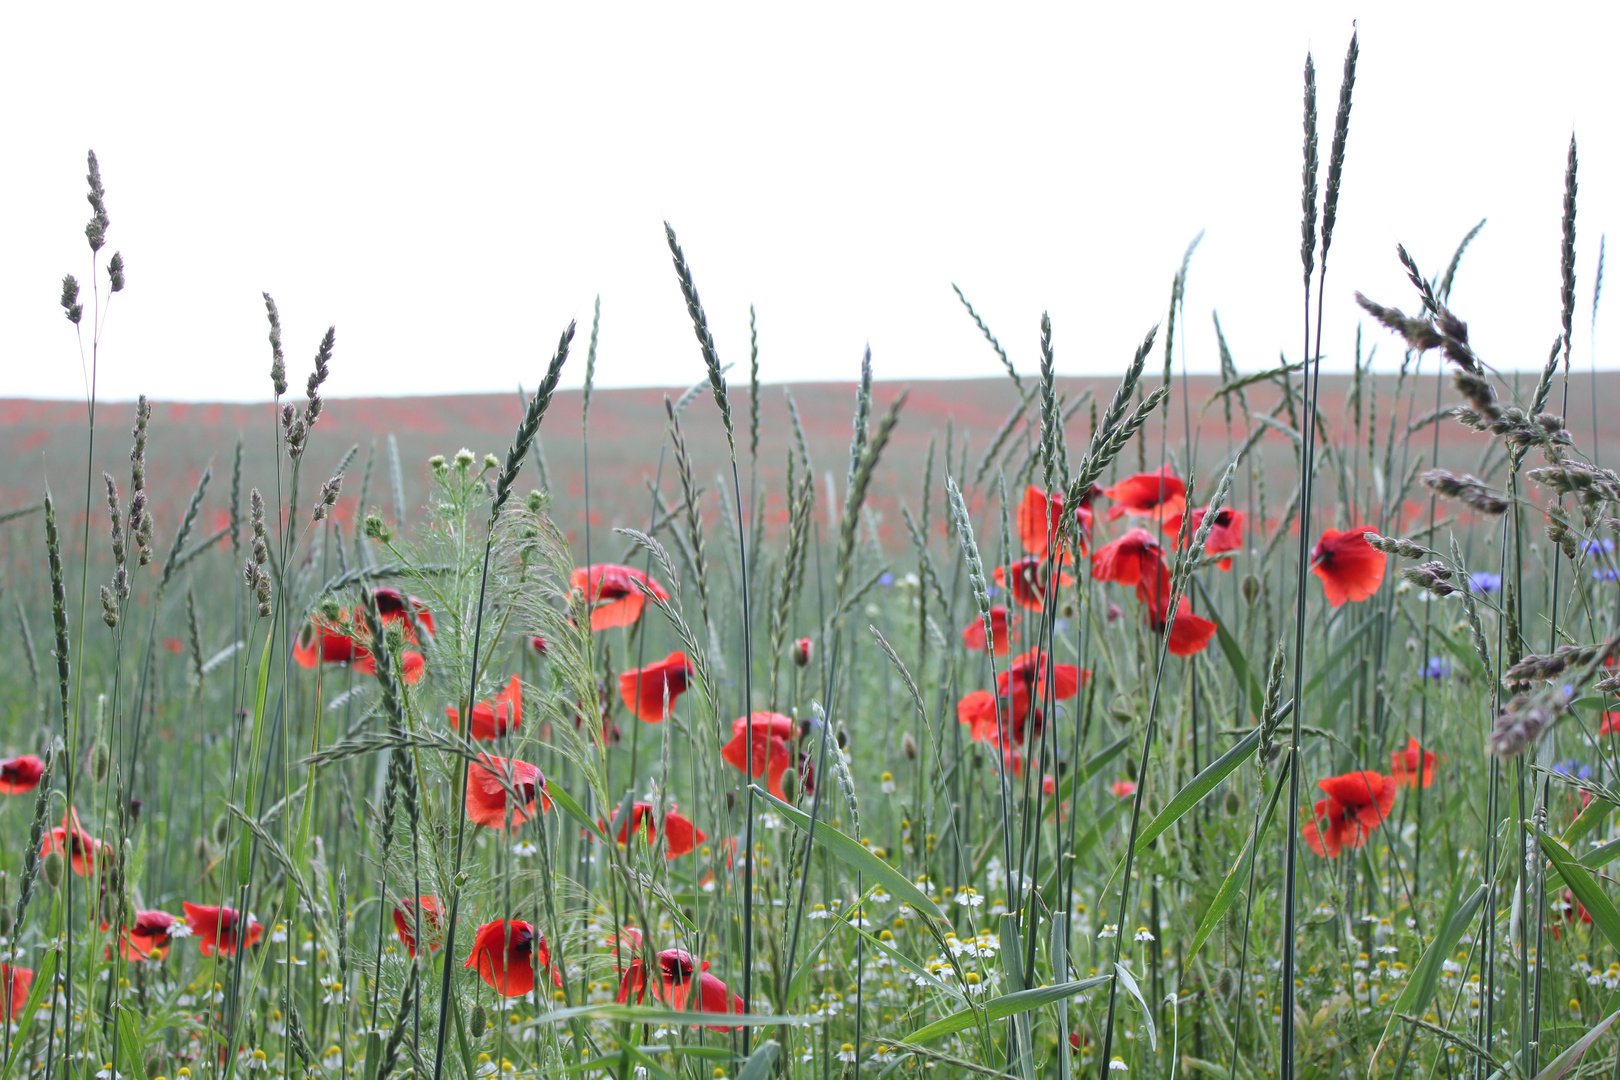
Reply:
x=150, y=934
x=1122, y=788
x=978, y=711
x=1350, y=568
x=644, y=689
x=1000, y=632
x=492, y=719
x=73, y=841
x=1027, y=674
x=405, y=921
x=1412, y=767
x=1156, y=495
x=20, y=774
x=772, y=735
x=1356, y=804
x=217, y=927
x=634, y=977
x=324, y=642
x=1040, y=516
x=676, y=969
x=17, y=982
x=613, y=596
x=1135, y=559
x=1026, y=579
x=1226, y=534
x=681, y=837
x=506, y=954
x=487, y=802
x=1190, y=633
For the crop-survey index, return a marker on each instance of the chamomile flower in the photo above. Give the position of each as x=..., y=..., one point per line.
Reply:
x=969, y=897
x=1118, y=1065
x=256, y=1062
x=1109, y=930
x=887, y=783
x=525, y=849
x=845, y=1053
x=1144, y=934
x=882, y=1056
x=278, y=934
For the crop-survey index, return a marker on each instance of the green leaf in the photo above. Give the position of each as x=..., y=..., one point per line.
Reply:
x=44, y=977
x=244, y=853
x=856, y=856
x=1571, y=1057
x=1228, y=891
x=761, y=1061
x=1589, y=819
x=1128, y=981
x=910, y=965
x=132, y=1062
x=574, y=810
x=1012, y=953
x=1199, y=786
x=1421, y=983
x=1234, y=655
x=629, y=1049
x=1003, y=1007
x=1586, y=889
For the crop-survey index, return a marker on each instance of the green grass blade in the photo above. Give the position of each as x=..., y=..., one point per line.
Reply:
x=1426, y=976
x=244, y=853
x=1002, y=1007
x=856, y=856
x=1128, y=981
x=1571, y=1057
x=1586, y=889
x=1198, y=787
x=1228, y=891
x=574, y=810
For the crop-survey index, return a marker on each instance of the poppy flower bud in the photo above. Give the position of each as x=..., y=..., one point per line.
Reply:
x=1233, y=804
x=843, y=738
x=53, y=869
x=731, y=800
x=908, y=746
x=6, y=917
x=538, y=644
x=1130, y=768
x=377, y=528
x=202, y=849
x=790, y=785
x=222, y=828
x=477, y=1021
x=1114, y=612
x=1068, y=610
x=1251, y=589
x=801, y=652
x=99, y=760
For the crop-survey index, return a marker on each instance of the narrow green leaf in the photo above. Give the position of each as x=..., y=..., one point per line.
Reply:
x=629, y=1049
x=1571, y=1057
x=574, y=810
x=1421, y=983
x=856, y=856
x=1235, y=877
x=1465, y=654
x=45, y=977
x=1589, y=819
x=1199, y=786
x=1128, y=981
x=761, y=1062
x=1586, y=889
x=1002, y=1007
x=244, y=853
x=1012, y=953
x=132, y=1060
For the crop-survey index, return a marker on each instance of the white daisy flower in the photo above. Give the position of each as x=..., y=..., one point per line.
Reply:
x=845, y=1053
x=1118, y=1065
x=969, y=897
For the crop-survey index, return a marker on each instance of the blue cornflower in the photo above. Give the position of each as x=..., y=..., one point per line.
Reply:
x=886, y=579
x=1484, y=581
x=1592, y=547
x=1604, y=573
x=1570, y=767
x=1437, y=668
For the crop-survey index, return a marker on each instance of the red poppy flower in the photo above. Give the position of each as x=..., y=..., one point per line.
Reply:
x=1611, y=722
x=71, y=839
x=1049, y=784
x=1357, y=803
x=20, y=774
x=1027, y=675
x=1403, y=764
x=172, y=644
x=681, y=837
x=1568, y=910
x=634, y=978
x=506, y=958
x=1190, y=634
x=323, y=642
x=1134, y=559
x=978, y=711
x=1225, y=535
x=802, y=650
x=1156, y=494
x=1122, y=788
x=973, y=632
x=772, y=735
x=613, y=596
x=1350, y=568
x=492, y=719
x=1039, y=513
x=676, y=969
x=538, y=644
x=405, y=921
x=217, y=926
x=149, y=935
x=1028, y=581
x=487, y=794
x=16, y=982
x=643, y=689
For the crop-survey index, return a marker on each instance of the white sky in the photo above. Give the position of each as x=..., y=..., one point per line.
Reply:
x=449, y=184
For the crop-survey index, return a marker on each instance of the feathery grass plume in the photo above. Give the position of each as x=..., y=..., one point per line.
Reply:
x=1566, y=264
x=297, y=1036
x=694, y=518
x=1467, y=490
x=528, y=427
x=396, y=1037
x=1419, y=282
x=96, y=231
x=1523, y=721
x=1450, y=275
x=1554, y=664
x=1307, y=243
x=312, y=391
x=1229, y=372
x=1195, y=550
x=1051, y=423
x=999, y=441
x=855, y=496
x=700, y=327
x=140, y=520
x=1390, y=545
x=1432, y=577
x=1591, y=485
x=180, y=534
x=1476, y=631
x=70, y=299
x=1341, y=132
x=116, y=531
x=1012, y=372
x=1544, y=384
x=590, y=364
x=327, y=498
x=109, y=608
x=396, y=478
x=31, y=854
x=278, y=361
x=116, y=279
x=1178, y=291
